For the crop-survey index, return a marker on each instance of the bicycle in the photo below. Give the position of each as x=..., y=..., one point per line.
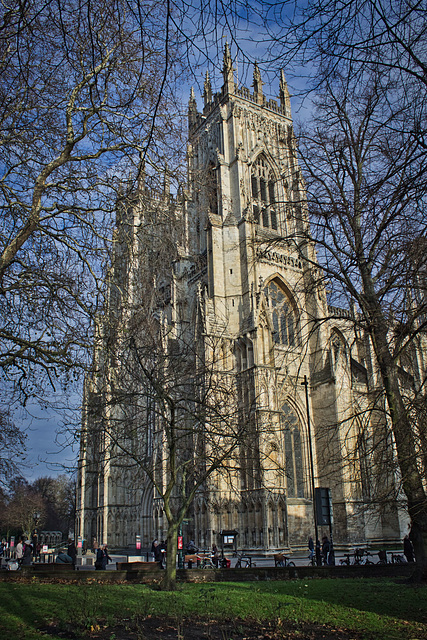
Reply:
x=346, y=560
x=245, y=560
x=397, y=559
x=365, y=558
x=207, y=564
x=360, y=556
x=280, y=560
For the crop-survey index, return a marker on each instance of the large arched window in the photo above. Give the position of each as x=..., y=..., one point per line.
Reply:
x=264, y=199
x=294, y=467
x=282, y=314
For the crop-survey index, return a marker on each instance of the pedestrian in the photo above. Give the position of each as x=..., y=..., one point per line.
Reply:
x=325, y=549
x=215, y=555
x=155, y=549
x=72, y=551
x=27, y=555
x=311, y=548
x=102, y=558
x=408, y=549
x=19, y=551
x=191, y=547
x=318, y=553
x=163, y=548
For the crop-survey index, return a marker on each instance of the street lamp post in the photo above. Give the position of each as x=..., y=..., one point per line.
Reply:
x=310, y=448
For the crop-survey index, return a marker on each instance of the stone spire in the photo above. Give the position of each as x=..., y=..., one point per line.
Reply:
x=228, y=71
x=257, y=85
x=192, y=109
x=207, y=90
x=285, y=98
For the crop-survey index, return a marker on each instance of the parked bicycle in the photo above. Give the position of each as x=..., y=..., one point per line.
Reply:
x=396, y=558
x=206, y=563
x=359, y=557
x=280, y=560
x=244, y=562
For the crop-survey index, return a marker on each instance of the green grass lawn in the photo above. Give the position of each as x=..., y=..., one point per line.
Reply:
x=370, y=608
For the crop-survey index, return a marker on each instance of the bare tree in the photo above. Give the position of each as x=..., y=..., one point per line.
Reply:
x=366, y=180
x=83, y=87
x=12, y=448
x=161, y=409
x=25, y=509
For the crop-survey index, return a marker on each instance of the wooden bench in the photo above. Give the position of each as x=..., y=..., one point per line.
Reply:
x=138, y=566
x=195, y=559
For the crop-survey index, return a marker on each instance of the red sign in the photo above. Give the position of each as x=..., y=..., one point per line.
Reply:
x=138, y=542
x=179, y=542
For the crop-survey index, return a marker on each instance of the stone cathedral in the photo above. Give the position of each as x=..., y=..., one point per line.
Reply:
x=242, y=273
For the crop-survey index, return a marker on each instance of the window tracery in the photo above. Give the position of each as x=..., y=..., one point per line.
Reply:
x=264, y=207
x=212, y=189
x=282, y=315
x=293, y=453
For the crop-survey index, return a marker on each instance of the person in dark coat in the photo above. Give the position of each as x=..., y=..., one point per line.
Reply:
x=311, y=554
x=155, y=550
x=325, y=549
x=27, y=558
x=102, y=558
x=72, y=552
x=408, y=549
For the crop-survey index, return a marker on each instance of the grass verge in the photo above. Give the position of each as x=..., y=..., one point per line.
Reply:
x=377, y=609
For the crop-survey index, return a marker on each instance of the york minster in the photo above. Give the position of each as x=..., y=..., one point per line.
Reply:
x=218, y=362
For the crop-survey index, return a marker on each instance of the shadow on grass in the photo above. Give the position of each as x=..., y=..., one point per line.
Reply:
x=397, y=599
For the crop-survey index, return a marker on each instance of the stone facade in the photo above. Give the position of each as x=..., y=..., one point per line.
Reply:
x=241, y=270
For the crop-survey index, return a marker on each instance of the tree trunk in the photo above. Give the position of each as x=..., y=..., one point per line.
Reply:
x=169, y=579
x=406, y=449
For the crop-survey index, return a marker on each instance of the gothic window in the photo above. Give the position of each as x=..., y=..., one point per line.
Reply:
x=294, y=468
x=212, y=190
x=264, y=194
x=282, y=315
x=244, y=354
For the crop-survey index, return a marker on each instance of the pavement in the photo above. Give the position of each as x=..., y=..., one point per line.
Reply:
x=299, y=558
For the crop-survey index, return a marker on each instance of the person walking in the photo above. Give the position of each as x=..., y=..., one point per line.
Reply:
x=19, y=551
x=155, y=550
x=102, y=558
x=215, y=555
x=72, y=552
x=27, y=555
x=325, y=549
x=311, y=554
